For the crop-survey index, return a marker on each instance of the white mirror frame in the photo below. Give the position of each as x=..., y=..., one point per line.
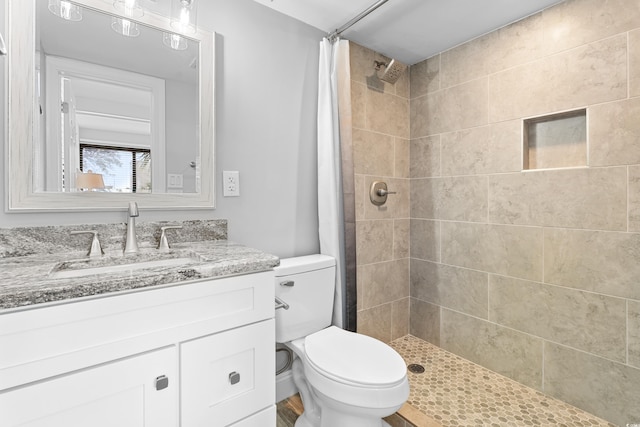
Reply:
x=19, y=89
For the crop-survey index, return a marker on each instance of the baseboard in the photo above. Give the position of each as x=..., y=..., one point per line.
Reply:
x=285, y=387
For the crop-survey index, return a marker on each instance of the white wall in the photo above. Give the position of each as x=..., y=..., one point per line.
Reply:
x=266, y=66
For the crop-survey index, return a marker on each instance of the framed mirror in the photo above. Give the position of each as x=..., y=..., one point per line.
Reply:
x=104, y=110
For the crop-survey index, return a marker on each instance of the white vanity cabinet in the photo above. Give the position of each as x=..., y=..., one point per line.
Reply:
x=195, y=354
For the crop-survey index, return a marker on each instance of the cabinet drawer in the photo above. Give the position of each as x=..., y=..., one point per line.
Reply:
x=228, y=376
x=265, y=418
x=140, y=391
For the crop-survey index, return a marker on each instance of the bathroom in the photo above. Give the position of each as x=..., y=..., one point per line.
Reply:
x=485, y=236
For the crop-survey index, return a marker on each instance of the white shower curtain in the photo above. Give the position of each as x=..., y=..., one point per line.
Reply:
x=330, y=200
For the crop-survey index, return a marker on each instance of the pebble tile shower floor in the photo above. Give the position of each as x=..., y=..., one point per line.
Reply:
x=456, y=392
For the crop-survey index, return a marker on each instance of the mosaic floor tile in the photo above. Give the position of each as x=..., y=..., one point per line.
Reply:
x=456, y=392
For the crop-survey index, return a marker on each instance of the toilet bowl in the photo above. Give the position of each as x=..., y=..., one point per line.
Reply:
x=344, y=378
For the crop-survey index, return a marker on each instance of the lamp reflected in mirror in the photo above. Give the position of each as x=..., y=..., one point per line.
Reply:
x=89, y=181
x=174, y=41
x=184, y=16
x=129, y=8
x=125, y=27
x=65, y=10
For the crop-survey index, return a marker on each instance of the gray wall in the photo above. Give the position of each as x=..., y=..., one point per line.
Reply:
x=266, y=79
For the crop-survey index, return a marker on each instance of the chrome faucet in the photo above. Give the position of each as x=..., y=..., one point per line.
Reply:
x=131, y=244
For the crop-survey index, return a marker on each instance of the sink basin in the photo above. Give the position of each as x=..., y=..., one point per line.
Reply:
x=117, y=265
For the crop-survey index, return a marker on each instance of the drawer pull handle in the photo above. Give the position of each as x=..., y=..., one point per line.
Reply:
x=162, y=382
x=288, y=283
x=281, y=304
x=234, y=378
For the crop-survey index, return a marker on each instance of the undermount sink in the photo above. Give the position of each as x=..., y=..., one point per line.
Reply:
x=120, y=265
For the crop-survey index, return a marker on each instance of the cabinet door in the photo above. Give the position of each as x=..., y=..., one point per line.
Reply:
x=228, y=376
x=127, y=393
x=264, y=418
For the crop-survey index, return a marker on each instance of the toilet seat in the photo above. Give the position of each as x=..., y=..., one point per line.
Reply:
x=354, y=359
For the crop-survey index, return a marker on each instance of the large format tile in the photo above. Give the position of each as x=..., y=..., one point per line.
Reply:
x=614, y=132
x=384, y=282
x=577, y=198
x=602, y=387
x=506, y=250
x=424, y=157
x=425, y=77
x=459, y=107
x=450, y=198
x=374, y=241
x=425, y=321
x=401, y=236
x=583, y=320
x=634, y=63
x=425, y=239
x=596, y=261
x=585, y=75
x=387, y=113
x=397, y=205
x=634, y=198
x=376, y=322
x=634, y=333
x=400, y=312
x=495, y=148
x=456, y=288
x=373, y=153
x=503, y=350
x=577, y=22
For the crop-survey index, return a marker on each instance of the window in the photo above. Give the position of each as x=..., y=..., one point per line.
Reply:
x=124, y=170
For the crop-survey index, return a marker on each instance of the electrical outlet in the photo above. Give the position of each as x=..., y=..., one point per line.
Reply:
x=231, y=183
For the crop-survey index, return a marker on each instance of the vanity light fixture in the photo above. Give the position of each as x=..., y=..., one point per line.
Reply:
x=183, y=16
x=174, y=41
x=65, y=10
x=125, y=27
x=129, y=8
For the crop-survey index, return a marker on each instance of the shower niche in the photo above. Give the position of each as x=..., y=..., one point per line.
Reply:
x=555, y=141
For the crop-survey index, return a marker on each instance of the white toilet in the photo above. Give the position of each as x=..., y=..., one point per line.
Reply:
x=345, y=379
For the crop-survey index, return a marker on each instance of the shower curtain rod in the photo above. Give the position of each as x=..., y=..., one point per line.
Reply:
x=334, y=35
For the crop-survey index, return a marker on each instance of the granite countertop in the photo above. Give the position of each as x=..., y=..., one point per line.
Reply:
x=31, y=279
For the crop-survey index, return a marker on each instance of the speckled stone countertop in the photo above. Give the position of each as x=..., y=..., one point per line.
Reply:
x=33, y=263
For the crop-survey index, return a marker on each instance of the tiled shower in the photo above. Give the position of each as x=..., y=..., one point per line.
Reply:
x=534, y=273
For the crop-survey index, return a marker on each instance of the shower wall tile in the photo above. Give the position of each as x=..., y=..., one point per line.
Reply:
x=583, y=320
x=459, y=107
x=495, y=148
x=424, y=157
x=373, y=153
x=425, y=239
x=509, y=46
x=384, y=282
x=604, y=388
x=401, y=158
x=401, y=229
x=386, y=113
x=634, y=332
x=634, y=63
x=359, y=183
x=595, y=261
x=614, y=132
x=374, y=241
x=585, y=75
x=456, y=288
x=400, y=318
x=506, y=250
x=397, y=205
x=376, y=322
x=450, y=198
x=358, y=105
x=425, y=321
x=503, y=350
x=361, y=62
x=425, y=77
x=634, y=198
x=578, y=22
x=580, y=198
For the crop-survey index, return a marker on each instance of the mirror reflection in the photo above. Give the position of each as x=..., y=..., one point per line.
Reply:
x=116, y=104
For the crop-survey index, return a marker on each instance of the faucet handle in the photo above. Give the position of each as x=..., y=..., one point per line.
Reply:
x=96, y=250
x=164, y=243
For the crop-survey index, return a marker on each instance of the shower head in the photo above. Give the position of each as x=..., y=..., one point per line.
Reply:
x=391, y=71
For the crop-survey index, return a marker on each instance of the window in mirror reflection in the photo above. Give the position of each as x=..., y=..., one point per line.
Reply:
x=124, y=170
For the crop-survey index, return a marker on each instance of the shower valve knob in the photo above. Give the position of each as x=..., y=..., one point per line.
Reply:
x=378, y=193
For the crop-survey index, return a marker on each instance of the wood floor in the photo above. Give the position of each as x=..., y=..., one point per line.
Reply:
x=288, y=411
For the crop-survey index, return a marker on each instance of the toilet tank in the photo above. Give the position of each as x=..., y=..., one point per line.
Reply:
x=307, y=285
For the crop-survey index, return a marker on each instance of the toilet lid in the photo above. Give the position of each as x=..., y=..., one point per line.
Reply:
x=349, y=357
